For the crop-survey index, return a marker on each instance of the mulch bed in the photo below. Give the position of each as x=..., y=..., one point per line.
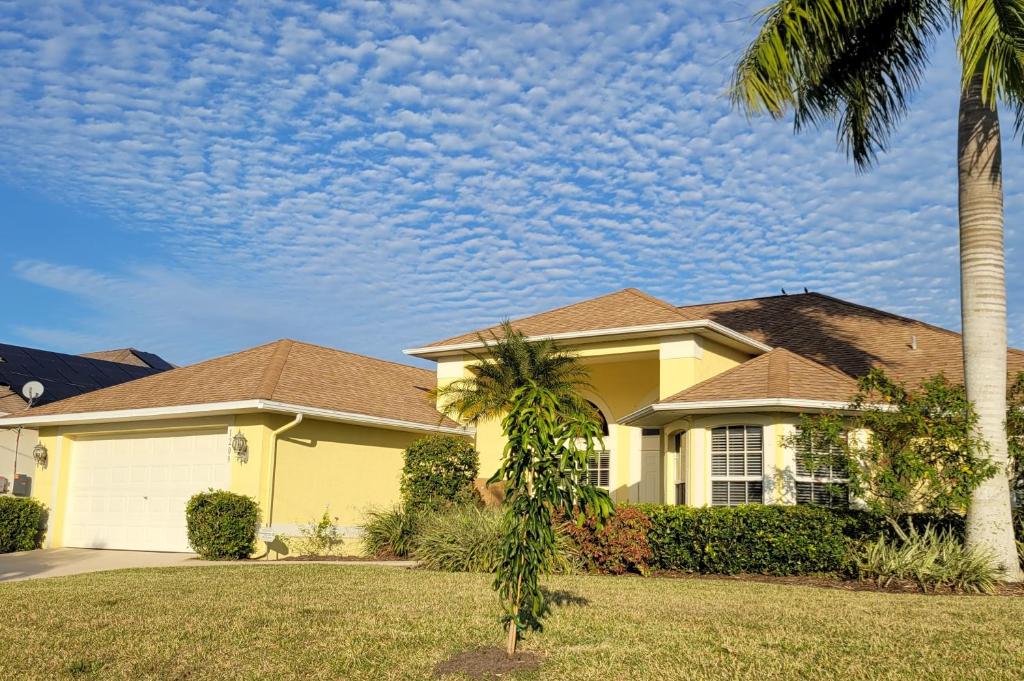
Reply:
x=488, y=663
x=831, y=582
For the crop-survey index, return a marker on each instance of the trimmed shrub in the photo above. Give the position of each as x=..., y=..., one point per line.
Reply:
x=222, y=525
x=22, y=521
x=439, y=471
x=389, y=533
x=930, y=557
x=620, y=546
x=770, y=539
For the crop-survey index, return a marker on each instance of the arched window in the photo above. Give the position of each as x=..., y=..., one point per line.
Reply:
x=600, y=415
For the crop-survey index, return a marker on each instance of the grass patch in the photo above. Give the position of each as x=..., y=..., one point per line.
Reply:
x=360, y=622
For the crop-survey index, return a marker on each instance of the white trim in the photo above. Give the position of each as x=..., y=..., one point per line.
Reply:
x=770, y=403
x=216, y=408
x=689, y=324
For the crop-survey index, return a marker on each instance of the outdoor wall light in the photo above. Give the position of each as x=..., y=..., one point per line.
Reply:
x=240, y=447
x=40, y=454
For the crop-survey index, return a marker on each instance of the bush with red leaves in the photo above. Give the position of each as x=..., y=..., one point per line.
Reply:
x=620, y=546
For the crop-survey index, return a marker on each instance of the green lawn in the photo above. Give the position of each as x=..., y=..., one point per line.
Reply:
x=356, y=622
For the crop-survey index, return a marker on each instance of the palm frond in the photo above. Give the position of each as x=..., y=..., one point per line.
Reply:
x=991, y=45
x=508, y=363
x=857, y=61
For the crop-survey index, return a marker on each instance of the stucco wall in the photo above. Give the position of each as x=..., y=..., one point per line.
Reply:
x=343, y=468
x=26, y=465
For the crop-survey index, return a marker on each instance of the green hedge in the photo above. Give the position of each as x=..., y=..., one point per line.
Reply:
x=22, y=524
x=771, y=539
x=222, y=525
x=774, y=540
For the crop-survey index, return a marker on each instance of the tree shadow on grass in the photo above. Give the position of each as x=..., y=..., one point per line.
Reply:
x=560, y=598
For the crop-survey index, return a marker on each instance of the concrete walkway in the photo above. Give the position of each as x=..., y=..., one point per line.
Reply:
x=62, y=562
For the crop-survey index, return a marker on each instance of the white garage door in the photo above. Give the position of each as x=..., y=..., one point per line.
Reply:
x=130, y=492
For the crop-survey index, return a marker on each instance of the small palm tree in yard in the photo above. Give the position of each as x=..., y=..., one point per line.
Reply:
x=551, y=431
x=858, y=61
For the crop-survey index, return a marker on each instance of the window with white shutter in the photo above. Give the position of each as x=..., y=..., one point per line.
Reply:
x=737, y=465
x=828, y=483
x=599, y=469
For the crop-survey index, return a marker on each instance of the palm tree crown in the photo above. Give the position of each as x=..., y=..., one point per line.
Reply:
x=858, y=61
x=512, y=362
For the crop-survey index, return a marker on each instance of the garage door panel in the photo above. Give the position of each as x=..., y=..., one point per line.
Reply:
x=130, y=493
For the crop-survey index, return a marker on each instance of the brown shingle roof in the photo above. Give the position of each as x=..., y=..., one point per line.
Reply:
x=845, y=336
x=775, y=374
x=284, y=371
x=628, y=307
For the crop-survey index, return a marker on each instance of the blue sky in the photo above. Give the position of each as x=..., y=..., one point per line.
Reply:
x=374, y=176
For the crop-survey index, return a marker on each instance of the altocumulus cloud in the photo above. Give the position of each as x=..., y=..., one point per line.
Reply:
x=374, y=175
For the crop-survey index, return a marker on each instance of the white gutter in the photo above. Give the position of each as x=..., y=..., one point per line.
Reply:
x=273, y=463
x=218, y=408
x=773, y=403
x=686, y=325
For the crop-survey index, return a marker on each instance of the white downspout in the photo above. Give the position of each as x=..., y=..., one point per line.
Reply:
x=273, y=463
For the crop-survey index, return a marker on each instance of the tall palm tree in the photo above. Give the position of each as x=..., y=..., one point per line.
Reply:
x=858, y=61
x=512, y=362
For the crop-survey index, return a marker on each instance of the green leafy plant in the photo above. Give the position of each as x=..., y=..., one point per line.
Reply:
x=222, y=525
x=391, y=533
x=550, y=431
x=771, y=539
x=919, y=450
x=1015, y=438
x=320, y=537
x=22, y=524
x=439, y=470
x=617, y=546
x=544, y=470
x=929, y=557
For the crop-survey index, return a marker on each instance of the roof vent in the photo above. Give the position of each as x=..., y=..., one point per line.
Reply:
x=913, y=342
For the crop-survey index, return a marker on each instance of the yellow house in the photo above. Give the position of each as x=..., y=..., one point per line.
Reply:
x=696, y=401
x=298, y=427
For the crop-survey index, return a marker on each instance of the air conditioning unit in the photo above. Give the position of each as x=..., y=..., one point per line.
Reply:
x=3, y=484
x=22, y=485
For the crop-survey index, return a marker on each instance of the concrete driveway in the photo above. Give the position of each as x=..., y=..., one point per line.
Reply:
x=60, y=562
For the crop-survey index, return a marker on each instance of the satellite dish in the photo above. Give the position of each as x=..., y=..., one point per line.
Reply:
x=32, y=390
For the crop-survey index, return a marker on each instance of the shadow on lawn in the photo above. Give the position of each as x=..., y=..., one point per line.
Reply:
x=560, y=598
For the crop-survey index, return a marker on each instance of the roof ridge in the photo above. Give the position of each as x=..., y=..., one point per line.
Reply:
x=651, y=299
x=743, y=300
x=359, y=354
x=275, y=367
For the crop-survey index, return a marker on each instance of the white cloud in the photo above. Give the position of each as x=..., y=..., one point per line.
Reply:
x=385, y=174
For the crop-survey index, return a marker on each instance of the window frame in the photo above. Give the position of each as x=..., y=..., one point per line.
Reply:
x=826, y=483
x=730, y=479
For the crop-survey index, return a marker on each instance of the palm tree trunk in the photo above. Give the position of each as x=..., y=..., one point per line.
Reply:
x=983, y=308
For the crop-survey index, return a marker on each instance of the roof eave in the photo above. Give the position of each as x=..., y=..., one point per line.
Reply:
x=663, y=412
x=223, y=408
x=710, y=328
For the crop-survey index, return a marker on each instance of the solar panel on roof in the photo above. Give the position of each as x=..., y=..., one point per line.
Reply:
x=155, y=361
x=64, y=375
